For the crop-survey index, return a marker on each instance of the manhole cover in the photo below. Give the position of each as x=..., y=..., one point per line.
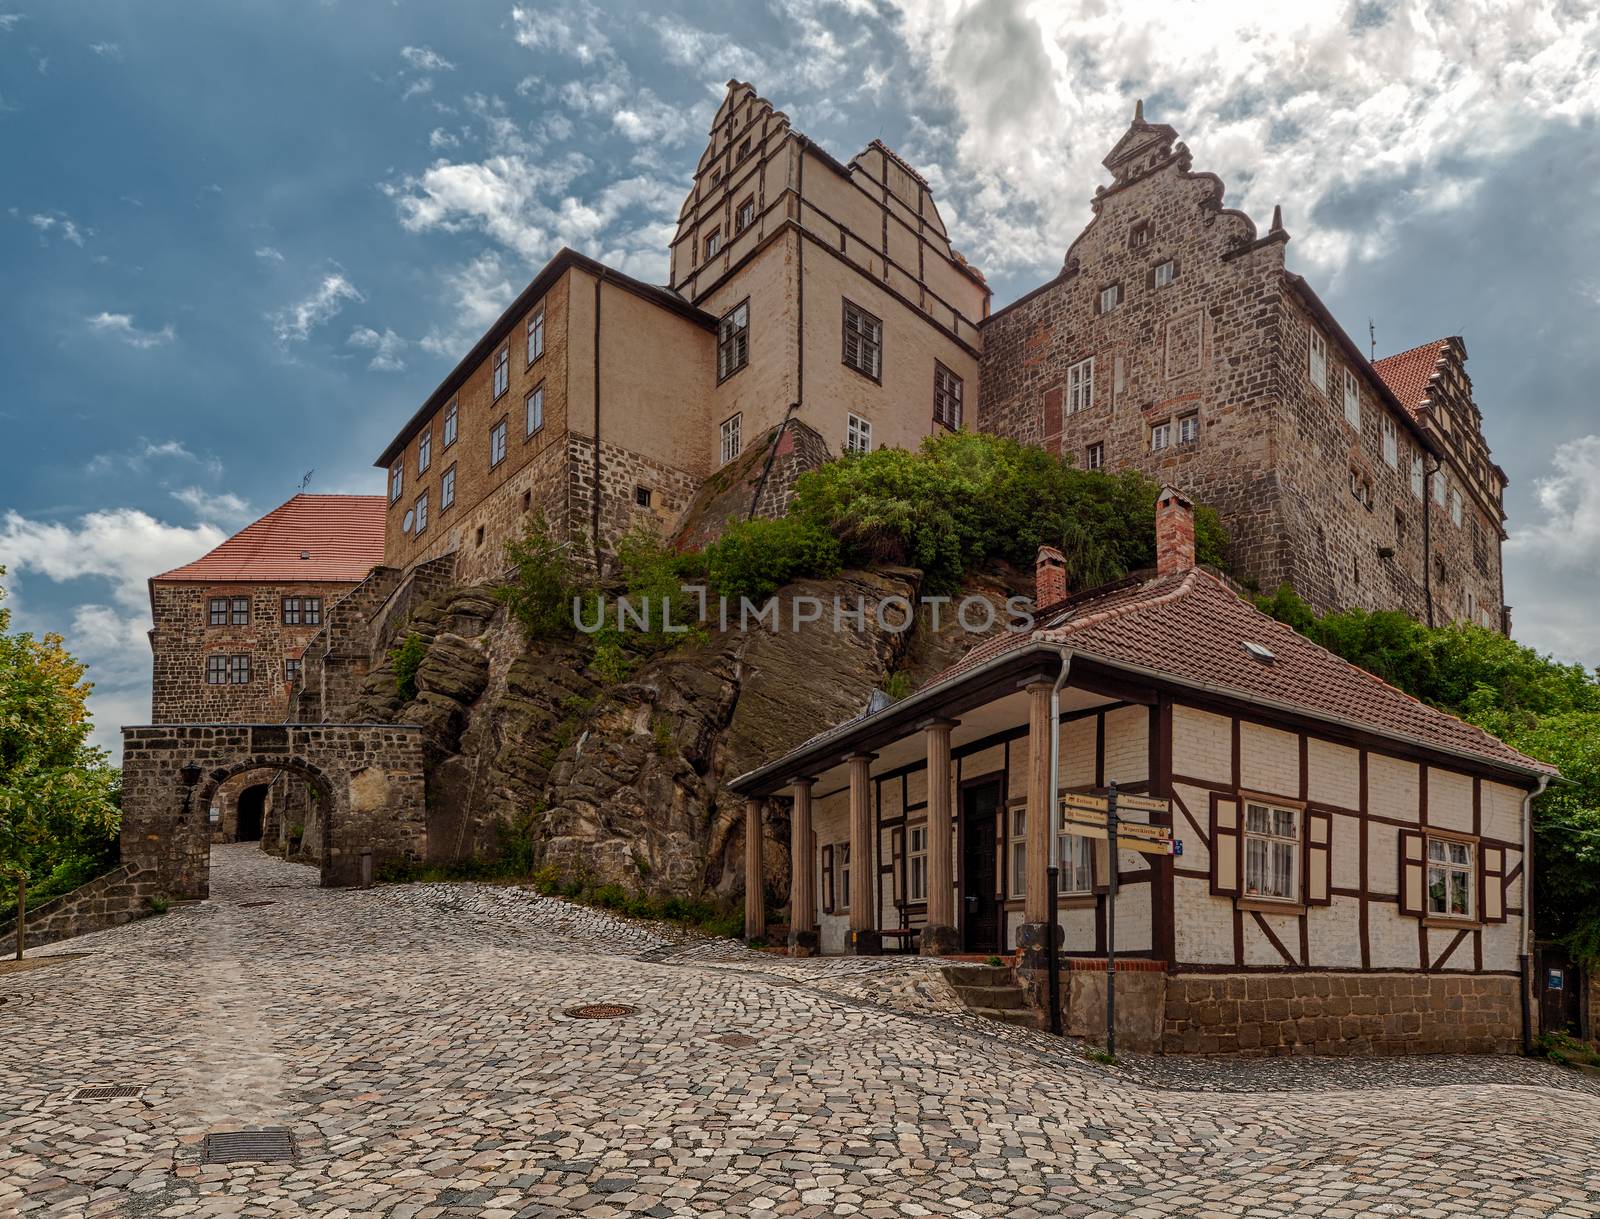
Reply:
x=240, y=1146
x=253, y=905
x=739, y=1041
x=107, y=1092
x=600, y=1011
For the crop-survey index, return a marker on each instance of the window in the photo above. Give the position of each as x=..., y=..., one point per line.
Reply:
x=239, y=611
x=733, y=340
x=1360, y=487
x=447, y=488
x=1352, y=400
x=917, y=863
x=533, y=409
x=1319, y=360
x=217, y=611
x=216, y=670
x=1271, y=852
x=536, y=335
x=1189, y=429
x=730, y=438
x=863, y=341
x=1480, y=547
x=641, y=496
x=744, y=148
x=1455, y=505
x=1080, y=386
x=946, y=397
x=858, y=435
x=745, y=216
x=1472, y=606
x=1417, y=472
x=1165, y=273
x=239, y=670
x=422, y=512
x=1439, y=486
x=1139, y=235
x=1450, y=878
x=1094, y=457
x=292, y=611
x=1160, y=437
x=397, y=481
x=424, y=452
x=713, y=243
x=450, y=424
x=1110, y=298
x=291, y=671
x=497, y=444
x=843, y=852
x=502, y=371
x=1391, y=443
x=1018, y=839
x=313, y=611
x=1077, y=863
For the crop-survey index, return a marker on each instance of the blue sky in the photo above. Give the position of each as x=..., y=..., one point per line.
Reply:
x=241, y=241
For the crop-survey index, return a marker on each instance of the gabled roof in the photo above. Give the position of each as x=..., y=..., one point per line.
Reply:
x=340, y=537
x=1408, y=374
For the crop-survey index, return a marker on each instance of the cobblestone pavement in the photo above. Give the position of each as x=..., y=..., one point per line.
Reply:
x=413, y=1041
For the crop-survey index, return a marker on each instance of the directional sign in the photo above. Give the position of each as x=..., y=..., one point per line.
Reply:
x=1125, y=804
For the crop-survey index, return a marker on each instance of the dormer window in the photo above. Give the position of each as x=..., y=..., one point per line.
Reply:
x=1139, y=236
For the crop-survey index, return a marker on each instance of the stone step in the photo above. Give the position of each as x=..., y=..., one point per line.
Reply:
x=1009, y=997
x=979, y=975
x=1027, y=1017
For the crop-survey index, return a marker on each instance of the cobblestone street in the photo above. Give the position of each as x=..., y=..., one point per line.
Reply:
x=412, y=1040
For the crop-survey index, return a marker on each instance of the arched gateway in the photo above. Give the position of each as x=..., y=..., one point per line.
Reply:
x=366, y=780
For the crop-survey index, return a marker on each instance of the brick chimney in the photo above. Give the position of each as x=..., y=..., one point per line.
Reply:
x=1174, y=532
x=1049, y=577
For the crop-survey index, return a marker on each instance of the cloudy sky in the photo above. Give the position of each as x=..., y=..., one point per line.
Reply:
x=241, y=241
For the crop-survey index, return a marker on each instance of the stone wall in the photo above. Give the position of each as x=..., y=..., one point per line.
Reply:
x=623, y=473
x=120, y=896
x=367, y=782
x=337, y=659
x=1342, y=1013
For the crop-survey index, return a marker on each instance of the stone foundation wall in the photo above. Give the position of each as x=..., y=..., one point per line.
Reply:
x=337, y=658
x=120, y=896
x=1335, y=1013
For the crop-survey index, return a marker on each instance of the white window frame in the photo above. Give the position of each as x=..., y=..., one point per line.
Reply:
x=1275, y=847
x=948, y=392
x=1166, y=273
x=1317, y=368
x=1017, y=851
x=1110, y=298
x=502, y=370
x=733, y=340
x=917, y=862
x=447, y=488
x=1418, y=468
x=1075, y=859
x=536, y=335
x=1161, y=437
x=1443, y=869
x=867, y=331
x=1440, y=487
x=397, y=481
x=1094, y=456
x=425, y=452
x=1189, y=429
x=451, y=423
x=1352, y=400
x=421, y=509
x=1455, y=506
x=857, y=434
x=713, y=244
x=731, y=445
x=1080, y=386
x=497, y=444
x=533, y=410
x=1391, y=443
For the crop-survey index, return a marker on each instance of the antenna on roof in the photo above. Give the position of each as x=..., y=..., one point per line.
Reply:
x=1372, y=339
x=305, y=479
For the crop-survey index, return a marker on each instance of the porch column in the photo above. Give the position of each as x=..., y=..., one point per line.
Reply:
x=1037, y=917
x=864, y=940
x=755, y=904
x=802, y=873
x=939, y=936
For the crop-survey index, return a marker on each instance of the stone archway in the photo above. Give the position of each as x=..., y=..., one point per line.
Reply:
x=250, y=813
x=366, y=781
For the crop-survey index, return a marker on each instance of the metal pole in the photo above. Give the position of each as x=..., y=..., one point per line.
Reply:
x=1055, y=955
x=22, y=912
x=1111, y=921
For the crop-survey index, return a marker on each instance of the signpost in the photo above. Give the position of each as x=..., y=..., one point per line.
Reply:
x=1098, y=817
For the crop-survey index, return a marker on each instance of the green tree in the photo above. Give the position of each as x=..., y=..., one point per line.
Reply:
x=57, y=792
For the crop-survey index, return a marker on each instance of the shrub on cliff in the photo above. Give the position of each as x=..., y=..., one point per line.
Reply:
x=757, y=557
x=407, y=659
x=540, y=590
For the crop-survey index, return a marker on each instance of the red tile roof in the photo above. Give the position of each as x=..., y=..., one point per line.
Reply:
x=1409, y=373
x=1191, y=628
x=341, y=535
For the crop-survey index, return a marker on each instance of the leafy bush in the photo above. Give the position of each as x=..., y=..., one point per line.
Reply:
x=757, y=557
x=542, y=584
x=407, y=659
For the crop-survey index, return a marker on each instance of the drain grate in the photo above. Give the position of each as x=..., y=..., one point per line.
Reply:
x=253, y=905
x=107, y=1092
x=270, y=1146
x=739, y=1041
x=600, y=1011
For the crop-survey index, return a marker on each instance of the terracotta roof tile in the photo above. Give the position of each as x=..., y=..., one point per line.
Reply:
x=1408, y=373
x=341, y=534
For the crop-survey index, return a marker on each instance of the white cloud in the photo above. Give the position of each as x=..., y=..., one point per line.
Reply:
x=426, y=59
x=480, y=291
x=1408, y=96
x=139, y=457
x=268, y=254
x=219, y=508
x=1551, y=573
x=386, y=348
x=124, y=546
x=294, y=323
x=121, y=326
x=9, y=21
x=106, y=50
x=574, y=31
x=417, y=88
x=440, y=138
x=59, y=223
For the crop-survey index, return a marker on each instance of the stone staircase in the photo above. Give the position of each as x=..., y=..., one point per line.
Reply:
x=993, y=991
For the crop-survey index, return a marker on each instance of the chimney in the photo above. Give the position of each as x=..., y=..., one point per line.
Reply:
x=1049, y=577
x=1174, y=532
